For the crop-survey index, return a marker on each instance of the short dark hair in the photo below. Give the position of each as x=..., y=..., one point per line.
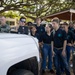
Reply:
x=29, y=23
x=38, y=18
x=32, y=26
x=56, y=20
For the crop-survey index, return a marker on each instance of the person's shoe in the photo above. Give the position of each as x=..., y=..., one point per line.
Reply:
x=71, y=65
x=52, y=71
x=43, y=71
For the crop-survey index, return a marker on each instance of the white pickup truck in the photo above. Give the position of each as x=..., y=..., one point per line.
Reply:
x=19, y=55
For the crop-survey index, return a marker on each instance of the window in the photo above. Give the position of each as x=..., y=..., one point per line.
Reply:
x=12, y=23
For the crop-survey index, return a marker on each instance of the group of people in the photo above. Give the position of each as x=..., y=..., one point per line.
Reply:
x=56, y=41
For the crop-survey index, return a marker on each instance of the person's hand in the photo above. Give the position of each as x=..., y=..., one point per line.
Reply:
x=40, y=55
x=64, y=53
x=69, y=44
x=53, y=53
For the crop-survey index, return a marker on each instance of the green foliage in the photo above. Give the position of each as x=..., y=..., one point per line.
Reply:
x=35, y=8
x=11, y=14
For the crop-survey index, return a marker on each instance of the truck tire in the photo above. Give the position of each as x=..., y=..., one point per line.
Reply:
x=22, y=72
x=33, y=66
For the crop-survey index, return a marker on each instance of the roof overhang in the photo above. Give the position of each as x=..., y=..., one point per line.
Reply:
x=64, y=15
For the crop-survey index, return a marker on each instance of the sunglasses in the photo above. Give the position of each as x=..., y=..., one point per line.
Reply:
x=23, y=21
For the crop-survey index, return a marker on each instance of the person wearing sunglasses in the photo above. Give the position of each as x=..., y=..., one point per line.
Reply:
x=23, y=28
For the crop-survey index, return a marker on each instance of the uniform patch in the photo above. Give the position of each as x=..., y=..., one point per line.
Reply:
x=59, y=35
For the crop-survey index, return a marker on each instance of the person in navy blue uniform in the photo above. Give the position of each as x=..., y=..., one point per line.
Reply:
x=33, y=32
x=70, y=41
x=58, y=46
x=71, y=26
x=23, y=29
x=46, y=50
x=74, y=27
x=40, y=28
x=62, y=26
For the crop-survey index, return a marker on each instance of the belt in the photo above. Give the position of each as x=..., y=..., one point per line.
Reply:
x=58, y=48
x=47, y=44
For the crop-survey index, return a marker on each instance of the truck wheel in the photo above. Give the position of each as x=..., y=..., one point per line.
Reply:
x=33, y=66
x=22, y=72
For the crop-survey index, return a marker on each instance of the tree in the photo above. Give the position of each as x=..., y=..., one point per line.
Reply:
x=11, y=14
x=36, y=8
